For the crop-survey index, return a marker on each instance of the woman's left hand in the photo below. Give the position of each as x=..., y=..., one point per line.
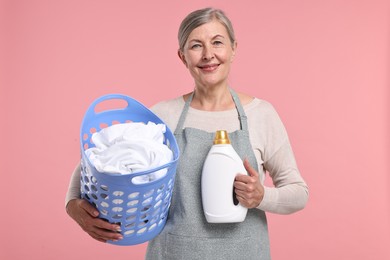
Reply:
x=249, y=191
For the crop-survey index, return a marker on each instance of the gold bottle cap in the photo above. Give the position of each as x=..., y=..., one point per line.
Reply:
x=221, y=137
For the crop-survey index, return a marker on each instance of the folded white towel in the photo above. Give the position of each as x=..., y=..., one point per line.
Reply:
x=130, y=148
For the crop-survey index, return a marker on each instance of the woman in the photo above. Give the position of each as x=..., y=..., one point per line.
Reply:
x=207, y=48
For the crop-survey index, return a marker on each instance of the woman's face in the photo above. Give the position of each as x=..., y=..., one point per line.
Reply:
x=208, y=54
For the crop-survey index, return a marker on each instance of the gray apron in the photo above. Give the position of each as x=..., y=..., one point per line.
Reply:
x=187, y=235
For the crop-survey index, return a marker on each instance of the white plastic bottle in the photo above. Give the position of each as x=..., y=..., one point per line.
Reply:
x=220, y=168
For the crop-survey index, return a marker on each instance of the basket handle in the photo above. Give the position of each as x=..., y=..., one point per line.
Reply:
x=131, y=104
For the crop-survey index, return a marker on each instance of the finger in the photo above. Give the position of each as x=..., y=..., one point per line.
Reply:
x=88, y=222
x=242, y=201
x=105, y=234
x=91, y=210
x=97, y=237
x=248, y=201
x=244, y=193
x=102, y=224
x=239, y=194
x=245, y=190
x=241, y=183
x=102, y=237
x=242, y=178
x=245, y=182
x=251, y=171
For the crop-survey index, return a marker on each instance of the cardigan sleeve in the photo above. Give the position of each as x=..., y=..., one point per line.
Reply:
x=289, y=192
x=74, y=186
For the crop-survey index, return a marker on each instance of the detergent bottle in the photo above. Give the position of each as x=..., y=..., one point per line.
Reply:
x=220, y=168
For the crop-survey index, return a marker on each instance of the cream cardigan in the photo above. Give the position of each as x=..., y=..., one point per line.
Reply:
x=269, y=141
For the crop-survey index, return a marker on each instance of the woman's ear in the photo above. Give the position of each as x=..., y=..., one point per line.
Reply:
x=182, y=57
x=234, y=48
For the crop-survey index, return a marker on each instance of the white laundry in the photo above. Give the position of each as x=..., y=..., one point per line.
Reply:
x=131, y=148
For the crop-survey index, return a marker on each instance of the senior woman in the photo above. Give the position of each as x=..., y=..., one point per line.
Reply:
x=207, y=46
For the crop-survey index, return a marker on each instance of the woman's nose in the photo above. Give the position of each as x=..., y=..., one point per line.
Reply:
x=208, y=53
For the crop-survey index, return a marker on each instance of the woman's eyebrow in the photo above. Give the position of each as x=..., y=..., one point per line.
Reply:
x=214, y=37
x=195, y=40
x=218, y=36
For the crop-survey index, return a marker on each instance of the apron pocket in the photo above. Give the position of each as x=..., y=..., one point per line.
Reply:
x=202, y=248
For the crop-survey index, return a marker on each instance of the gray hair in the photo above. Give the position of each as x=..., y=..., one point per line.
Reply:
x=200, y=17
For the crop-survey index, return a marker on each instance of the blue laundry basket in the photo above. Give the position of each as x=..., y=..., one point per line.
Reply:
x=140, y=209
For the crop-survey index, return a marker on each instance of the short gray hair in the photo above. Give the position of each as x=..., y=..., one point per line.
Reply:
x=200, y=17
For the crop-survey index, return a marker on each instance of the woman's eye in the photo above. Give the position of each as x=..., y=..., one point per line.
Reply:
x=217, y=43
x=195, y=46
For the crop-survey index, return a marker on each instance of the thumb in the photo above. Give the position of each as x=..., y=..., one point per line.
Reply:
x=251, y=171
x=91, y=210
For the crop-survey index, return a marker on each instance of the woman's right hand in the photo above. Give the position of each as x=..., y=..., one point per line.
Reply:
x=86, y=216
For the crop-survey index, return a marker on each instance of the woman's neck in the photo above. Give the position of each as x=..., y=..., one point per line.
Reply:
x=212, y=99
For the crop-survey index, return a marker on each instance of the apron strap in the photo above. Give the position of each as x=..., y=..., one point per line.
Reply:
x=241, y=113
x=183, y=115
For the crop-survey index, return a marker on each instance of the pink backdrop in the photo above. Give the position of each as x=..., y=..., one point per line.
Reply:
x=323, y=64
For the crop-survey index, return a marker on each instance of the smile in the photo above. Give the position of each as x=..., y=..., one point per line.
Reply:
x=209, y=67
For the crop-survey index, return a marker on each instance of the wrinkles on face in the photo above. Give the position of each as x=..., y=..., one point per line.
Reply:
x=208, y=54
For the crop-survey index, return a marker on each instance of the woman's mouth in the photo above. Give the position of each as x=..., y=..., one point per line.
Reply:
x=209, y=67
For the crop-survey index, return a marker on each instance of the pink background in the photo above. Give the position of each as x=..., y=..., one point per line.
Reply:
x=323, y=64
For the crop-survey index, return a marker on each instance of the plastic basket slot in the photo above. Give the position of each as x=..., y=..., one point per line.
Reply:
x=132, y=203
x=104, y=204
x=117, y=216
x=130, y=218
x=161, y=222
x=170, y=183
x=131, y=210
x=128, y=233
x=104, y=187
x=117, y=201
x=153, y=226
x=158, y=204
x=142, y=224
x=159, y=197
x=117, y=209
x=130, y=226
x=118, y=193
x=147, y=201
x=146, y=208
x=141, y=231
x=149, y=193
x=154, y=220
x=93, y=188
x=103, y=125
x=161, y=188
x=144, y=217
x=133, y=195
